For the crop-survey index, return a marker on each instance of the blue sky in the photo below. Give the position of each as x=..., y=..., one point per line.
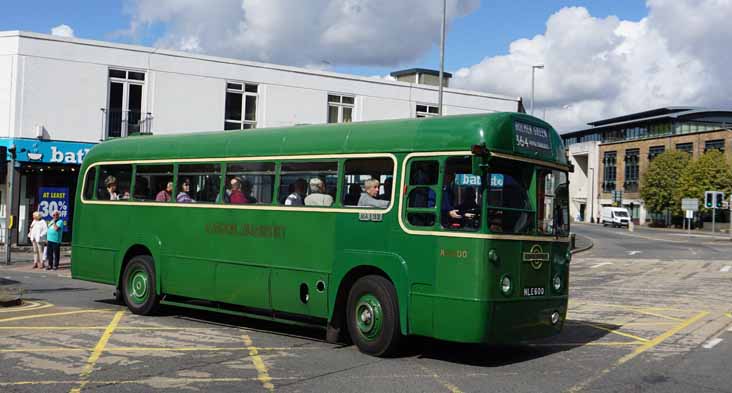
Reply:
x=484, y=33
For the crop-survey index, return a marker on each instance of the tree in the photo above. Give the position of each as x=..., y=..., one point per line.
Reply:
x=661, y=180
x=710, y=172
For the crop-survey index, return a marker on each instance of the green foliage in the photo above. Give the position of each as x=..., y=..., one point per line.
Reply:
x=710, y=172
x=661, y=180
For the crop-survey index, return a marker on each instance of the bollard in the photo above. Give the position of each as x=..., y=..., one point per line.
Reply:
x=631, y=226
x=572, y=239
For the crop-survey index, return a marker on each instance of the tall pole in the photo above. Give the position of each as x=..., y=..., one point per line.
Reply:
x=442, y=56
x=533, y=71
x=9, y=203
x=592, y=196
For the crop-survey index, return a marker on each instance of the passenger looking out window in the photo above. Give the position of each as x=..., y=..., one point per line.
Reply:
x=153, y=183
x=317, y=196
x=110, y=192
x=236, y=196
x=368, y=197
x=114, y=182
x=184, y=193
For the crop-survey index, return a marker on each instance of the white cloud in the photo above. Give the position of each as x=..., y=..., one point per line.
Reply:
x=307, y=33
x=602, y=67
x=63, y=31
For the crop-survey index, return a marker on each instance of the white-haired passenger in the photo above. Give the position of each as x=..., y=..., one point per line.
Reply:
x=317, y=196
x=368, y=197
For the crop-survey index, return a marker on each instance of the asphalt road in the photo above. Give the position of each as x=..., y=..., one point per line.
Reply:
x=650, y=311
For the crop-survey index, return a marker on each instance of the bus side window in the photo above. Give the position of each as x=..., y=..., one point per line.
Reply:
x=114, y=182
x=249, y=182
x=198, y=183
x=89, y=183
x=422, y=174
x=300, y=180
x=357, y=171
x=153, y=183
x=462, y=196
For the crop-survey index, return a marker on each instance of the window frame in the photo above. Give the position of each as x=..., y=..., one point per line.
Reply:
x=242, y=122
x=340, y=105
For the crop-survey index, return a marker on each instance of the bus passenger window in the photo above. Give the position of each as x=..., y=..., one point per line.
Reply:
x=114, y=182
x=422, y=174
x=308, y=183
x=89, y=183
x=377, y=172
x=198, y=183
x=153, y=183
x=249, y=182
x=462, y=196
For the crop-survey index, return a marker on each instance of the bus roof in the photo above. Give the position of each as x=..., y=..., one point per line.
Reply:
x=449, y=133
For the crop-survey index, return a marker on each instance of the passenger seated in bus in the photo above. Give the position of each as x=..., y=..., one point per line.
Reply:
x=354, y=193
x=317, y=196
x=246, y=188
x=449, y=212
x=165, y=195
x=466, y=210
x=110, y=191
x=183, y=195
x=368, y=198
x=236, y=196
x=296, y=197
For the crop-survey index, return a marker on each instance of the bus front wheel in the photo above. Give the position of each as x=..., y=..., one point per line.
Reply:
x=373, y=316
x=138, y=285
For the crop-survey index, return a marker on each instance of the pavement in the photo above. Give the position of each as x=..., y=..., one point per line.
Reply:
x=649, y=311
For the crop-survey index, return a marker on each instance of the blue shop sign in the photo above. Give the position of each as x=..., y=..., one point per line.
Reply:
x=49, y=152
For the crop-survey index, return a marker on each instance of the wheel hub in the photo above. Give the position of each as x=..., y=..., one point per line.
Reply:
x=369, y=317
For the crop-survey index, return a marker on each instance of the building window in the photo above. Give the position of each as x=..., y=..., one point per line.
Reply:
x=340, y=108
x=686, y=147
x=427, y=110
x=241, y=106
x=716, y=144
x=609, y=171
x=631, y=170
x=653, y=151
x=124, y=114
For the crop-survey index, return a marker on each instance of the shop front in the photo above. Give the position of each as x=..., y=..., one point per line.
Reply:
x=45, y=176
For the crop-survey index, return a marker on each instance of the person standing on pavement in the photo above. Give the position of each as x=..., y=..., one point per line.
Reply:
x=55, y=232
x=37, y=236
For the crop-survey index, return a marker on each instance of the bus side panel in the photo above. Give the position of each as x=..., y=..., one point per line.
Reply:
x=296, y=292
x=243, y=285
x=97, y=241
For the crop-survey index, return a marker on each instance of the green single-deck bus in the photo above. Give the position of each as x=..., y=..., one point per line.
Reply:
x=454, y=228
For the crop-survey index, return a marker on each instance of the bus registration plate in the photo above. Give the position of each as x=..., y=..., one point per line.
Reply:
x=534, y=291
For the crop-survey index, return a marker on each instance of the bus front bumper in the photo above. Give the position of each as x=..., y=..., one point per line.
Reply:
x=500, y=322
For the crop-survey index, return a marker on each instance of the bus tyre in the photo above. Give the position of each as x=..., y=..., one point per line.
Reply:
x=138, y=285
x=372, y=316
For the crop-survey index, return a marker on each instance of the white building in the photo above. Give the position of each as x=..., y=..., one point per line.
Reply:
x=58, y=96
x=584, y=204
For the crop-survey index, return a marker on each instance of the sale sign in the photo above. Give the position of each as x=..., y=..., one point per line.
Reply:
x=51, y=199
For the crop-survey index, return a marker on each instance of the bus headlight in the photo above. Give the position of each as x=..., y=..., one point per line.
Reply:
x=506, y=285
x=557, y=283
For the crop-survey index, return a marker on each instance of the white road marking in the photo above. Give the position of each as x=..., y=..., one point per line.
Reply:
x=631, y=253
x=712, y=343
x=725, y=269
x=600, y=264
x=729, y=330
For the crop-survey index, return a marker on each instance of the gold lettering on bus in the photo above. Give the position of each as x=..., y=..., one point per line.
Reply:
x=462, y=254
x=247, y=230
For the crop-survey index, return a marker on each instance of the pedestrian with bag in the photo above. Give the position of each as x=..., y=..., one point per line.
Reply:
x=37, y=236
x=54, y=235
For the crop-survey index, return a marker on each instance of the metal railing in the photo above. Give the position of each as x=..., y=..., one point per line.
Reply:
x=121, y=123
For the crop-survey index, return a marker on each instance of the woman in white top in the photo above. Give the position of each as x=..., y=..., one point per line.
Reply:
x=37, y=236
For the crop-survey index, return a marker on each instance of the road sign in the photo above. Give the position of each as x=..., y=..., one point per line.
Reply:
x=690, y=204
x=690, y=214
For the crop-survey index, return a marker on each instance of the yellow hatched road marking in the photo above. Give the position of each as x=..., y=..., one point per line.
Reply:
x=97, y=352
x=452, y=388
x=25, y=317
x=27, y=306
x=643, y=348
x=263, y=375
x=728, y=314
x=612, y=331
x=151, y=349
x=592, y=344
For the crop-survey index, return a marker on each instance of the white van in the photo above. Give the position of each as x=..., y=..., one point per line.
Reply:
x=615, y=216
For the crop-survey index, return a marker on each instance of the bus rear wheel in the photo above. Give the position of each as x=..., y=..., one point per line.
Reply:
x=372, y=316
x=138, y=285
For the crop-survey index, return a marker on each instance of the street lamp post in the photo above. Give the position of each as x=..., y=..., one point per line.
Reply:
x=533, y=71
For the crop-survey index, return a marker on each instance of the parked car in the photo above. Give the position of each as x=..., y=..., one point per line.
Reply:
x=615, y=216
